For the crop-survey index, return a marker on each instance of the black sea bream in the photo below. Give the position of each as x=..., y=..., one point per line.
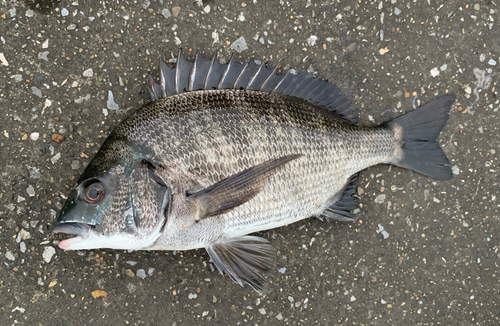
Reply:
x=226, y=150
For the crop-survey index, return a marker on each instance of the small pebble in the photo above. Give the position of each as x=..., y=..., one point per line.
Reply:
x=176, y=10
x=129, y=272
x=36, y=91
x=3, y=60
x=17, y=77
x=477, y=6
x=166, y=13
x=279, y=316
x=492, y=62
x=10, y=256
x=434, y=72
x=88, y=73
x=34, y=136
x=131, y=263
x=312, y=40
x=282, y=270
x=48, y=253
x=397, y=11
x=383, y=50
x=55, y=158
x=350, y=47
x=75, y=164
x=22, y=246
x=151, y=270
x=455, y=170
x=443, y=67
x=192, y=296
x=380, y=199
x=58, y=138
x=99, y=293
x=29, y=13
x=64, y=12
x=111, y=102
x=71, y=27
x=353, y=298
x=206, y=9
x=239, y=45
x=31, y=191
x=384, y=233
x=34, y=173
x=262, y=311
x=141, y=273
x=23, y=235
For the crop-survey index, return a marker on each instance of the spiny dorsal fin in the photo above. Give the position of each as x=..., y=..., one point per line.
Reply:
x=182, y=74
x=210, y=74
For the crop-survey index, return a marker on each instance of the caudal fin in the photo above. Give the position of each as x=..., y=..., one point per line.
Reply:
x=417, y=132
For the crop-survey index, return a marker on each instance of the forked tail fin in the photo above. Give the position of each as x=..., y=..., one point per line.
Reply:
x=417, y=132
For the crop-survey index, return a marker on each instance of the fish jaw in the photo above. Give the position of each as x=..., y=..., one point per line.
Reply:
x=68, y=243
x=88, y=238
x=95, y=241
x=81, y=230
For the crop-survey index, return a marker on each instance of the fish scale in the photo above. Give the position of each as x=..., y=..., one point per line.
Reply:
x=331, y=158
x=225, y=150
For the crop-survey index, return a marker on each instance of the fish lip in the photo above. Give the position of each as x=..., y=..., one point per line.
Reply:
x=80, y=229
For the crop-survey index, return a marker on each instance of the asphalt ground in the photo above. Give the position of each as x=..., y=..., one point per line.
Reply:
x=423, y=252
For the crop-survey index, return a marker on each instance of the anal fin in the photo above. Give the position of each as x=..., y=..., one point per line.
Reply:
x=246, y=260
x=342, y=206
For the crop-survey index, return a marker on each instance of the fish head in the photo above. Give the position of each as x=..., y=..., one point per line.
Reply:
x=122, y=208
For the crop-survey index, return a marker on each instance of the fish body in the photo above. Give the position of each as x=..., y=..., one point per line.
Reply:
x=224, y=151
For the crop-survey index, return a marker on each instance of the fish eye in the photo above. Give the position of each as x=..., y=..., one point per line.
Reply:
x=94, y=193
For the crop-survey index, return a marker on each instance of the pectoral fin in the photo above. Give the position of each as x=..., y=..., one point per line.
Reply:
x=235, y=190
x=246, y=260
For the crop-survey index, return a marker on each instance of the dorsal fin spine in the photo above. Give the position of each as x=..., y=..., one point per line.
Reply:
x=210, y=74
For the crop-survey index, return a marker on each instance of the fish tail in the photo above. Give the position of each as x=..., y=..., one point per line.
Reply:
x=416, y=134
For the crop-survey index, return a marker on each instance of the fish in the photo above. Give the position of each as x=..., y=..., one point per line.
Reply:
x=223, y=151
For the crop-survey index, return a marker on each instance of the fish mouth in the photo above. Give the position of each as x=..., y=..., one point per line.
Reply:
x=81, y=230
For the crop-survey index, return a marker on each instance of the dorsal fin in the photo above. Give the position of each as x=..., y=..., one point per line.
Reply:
x=210, y=74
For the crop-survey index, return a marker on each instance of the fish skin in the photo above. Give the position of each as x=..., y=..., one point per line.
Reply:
x=213, y=143
x=178, y=145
